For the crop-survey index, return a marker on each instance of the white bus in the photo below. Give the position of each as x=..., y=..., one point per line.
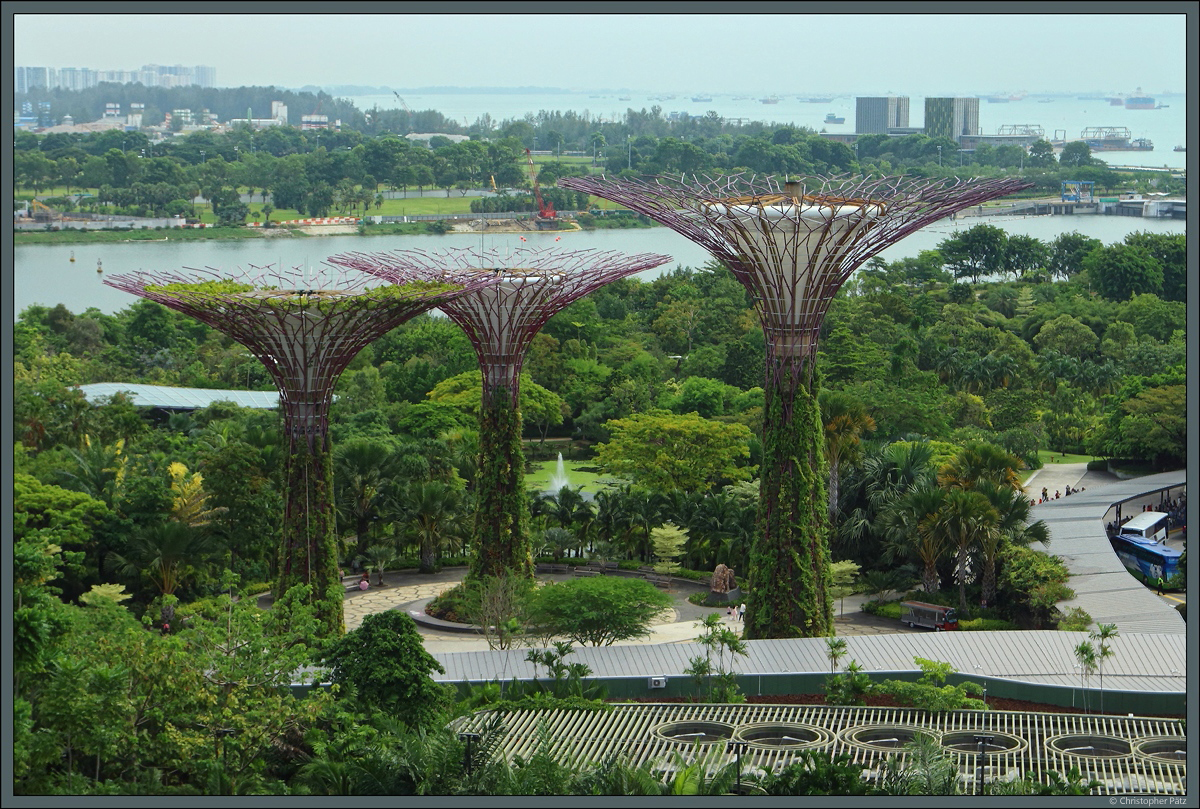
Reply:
x=1151, y=525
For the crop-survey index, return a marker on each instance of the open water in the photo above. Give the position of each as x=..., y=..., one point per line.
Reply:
x=1167, y=127
x=44, y=274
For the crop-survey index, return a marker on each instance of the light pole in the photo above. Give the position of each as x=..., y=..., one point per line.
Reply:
x=981, y=742
x=939, y=156
x=738, y=749
x=470, y=739
x=629, y=151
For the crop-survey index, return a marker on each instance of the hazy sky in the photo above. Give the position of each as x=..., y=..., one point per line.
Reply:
x=911, y=54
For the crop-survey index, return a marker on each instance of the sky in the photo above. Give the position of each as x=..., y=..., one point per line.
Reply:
x=795, y=54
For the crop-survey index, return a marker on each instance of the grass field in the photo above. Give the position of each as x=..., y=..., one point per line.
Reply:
x=539, y=479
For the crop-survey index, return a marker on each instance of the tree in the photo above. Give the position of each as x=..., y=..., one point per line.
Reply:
x=1076, y=154
x=388, y=668
x=1067, y=252
x=663, y=451
x=1101, y=636
x=1170, y=250
x=846, y=420
x=963, y=520
x=976, y=252
x=668, y=546
x=1041, y=154
x=598, y=610
x=1085, y=655
x=1121, y=271
x=1068, y=336
x=719, y=679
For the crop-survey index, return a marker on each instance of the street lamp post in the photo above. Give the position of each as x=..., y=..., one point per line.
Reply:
x=738, y=749
x=939, y=156
x=470, y=739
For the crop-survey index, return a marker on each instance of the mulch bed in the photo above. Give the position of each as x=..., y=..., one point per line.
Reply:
x=887, y=701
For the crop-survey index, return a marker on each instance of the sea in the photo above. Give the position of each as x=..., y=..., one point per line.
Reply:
x=1064, y=116
x=46, y=274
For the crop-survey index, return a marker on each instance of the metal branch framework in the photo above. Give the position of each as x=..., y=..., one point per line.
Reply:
x=531, y=286
x=305, y=331
x=501, y=320
x=792, y=244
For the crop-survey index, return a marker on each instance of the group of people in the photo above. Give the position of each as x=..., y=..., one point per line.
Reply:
x=1059, y=493
x=738, y=612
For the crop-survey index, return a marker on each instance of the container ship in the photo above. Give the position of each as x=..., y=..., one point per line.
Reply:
x=1138, y=101
x=770, y=100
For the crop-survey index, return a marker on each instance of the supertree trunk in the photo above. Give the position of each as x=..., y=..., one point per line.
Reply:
x=789, y=557
x=308, y=547
x=500, y=537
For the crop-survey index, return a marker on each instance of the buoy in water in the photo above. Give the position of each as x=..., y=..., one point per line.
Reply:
x=99, y=266
x=72, y=256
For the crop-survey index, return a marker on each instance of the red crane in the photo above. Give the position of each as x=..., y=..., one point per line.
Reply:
x=545, y=210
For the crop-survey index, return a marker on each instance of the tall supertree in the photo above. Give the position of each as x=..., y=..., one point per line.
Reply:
x=501, y=321
x=793, y=244
x=305, y=331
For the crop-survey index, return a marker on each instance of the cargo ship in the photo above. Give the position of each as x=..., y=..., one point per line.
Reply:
x=702, y=98
x=834, y=119
x=1138, y=101
x=770, y=100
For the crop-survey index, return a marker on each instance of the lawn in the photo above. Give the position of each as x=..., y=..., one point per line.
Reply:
x=539, y=479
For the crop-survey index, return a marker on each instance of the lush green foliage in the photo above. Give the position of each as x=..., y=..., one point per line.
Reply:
x=598, y=610
x=386, y=666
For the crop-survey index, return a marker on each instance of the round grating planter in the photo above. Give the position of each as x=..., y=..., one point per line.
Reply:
x=884, y=737
x=1089, y=746
x=694, y=732
x=781, y=736
x=996, y=744
x=1170, y=749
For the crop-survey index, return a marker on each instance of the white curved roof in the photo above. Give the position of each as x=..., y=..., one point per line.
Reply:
x=180, y=398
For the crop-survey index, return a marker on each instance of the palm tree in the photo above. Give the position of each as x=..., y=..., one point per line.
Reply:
x=909, y=525
x=377, y=558
x=433, y=512
x=1013, y=528
x=99, y=470
x=1102, y=635
x=166, y=554
x=361, y=470
x=846, y=420
x=1085, y=653
x=963, y=520
x=979, y=460
x=836, y=649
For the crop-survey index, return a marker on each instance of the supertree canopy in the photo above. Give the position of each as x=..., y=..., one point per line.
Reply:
x=501, y=321
x=305, y=331
x=793, y=244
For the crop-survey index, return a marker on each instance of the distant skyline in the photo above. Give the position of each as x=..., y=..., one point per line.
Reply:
x=866, y=54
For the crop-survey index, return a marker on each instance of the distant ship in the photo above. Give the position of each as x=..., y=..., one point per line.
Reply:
x=770, y=100
x=701, y=98
x=816, y=100
x=623, y=98
x=1181, y=148
x=1162, y=106
x=831, y=118
x=1137, y=101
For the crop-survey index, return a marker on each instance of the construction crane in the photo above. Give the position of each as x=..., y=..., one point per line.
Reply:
x=401, y=100
x=546, y=219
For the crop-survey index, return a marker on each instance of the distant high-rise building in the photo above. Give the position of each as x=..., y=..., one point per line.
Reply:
x=877, y=115
x=951, y=117
x=81, y=78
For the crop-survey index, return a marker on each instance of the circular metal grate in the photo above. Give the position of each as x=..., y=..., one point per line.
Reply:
x=1171, y=749
x=781, y=735
x=694, y=732
x=884, y=737
x=1090, y=746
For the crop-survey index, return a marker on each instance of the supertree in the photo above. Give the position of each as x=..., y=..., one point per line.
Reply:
x=501, y=321
x=793, y=244
x=305, y=331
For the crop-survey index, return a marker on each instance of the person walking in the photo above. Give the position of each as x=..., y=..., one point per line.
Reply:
x=1161, y=584
x=741, y=612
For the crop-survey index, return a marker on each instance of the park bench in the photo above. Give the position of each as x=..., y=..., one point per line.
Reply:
x=546, y=567
x=610, y=567
x=659, y=580
x=585, y=571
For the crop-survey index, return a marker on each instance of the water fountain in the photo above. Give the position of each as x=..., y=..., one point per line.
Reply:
x=559, y=478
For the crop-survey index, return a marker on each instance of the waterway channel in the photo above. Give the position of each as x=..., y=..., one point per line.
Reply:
x=45, y=275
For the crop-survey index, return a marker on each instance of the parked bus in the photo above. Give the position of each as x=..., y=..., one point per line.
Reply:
x=1146, y=559
x=1150, y=525
x=930, y=616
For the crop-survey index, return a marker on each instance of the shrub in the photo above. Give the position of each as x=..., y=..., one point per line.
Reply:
x=1077, y=619
x=598, y=610
x=986, y=625
x=1098, y=465
x=930, y=692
